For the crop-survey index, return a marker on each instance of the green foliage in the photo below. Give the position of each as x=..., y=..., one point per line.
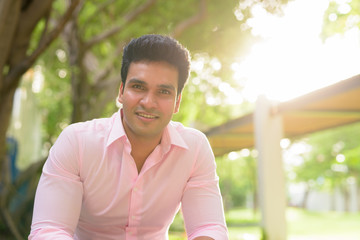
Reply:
x=340, y=17
x=55, y=98
x=334, y=157
x=204, y=97
x=240, y=216
x=237, y=180
x=178, y=223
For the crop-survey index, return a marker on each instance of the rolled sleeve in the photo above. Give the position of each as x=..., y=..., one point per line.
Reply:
x=202, y=203
x=59, y=194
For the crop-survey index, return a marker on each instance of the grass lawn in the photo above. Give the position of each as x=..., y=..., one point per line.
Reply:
x=301, y=225
x=322, y=225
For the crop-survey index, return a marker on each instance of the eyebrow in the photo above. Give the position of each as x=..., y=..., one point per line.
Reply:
x=165, y=86
x=135, y=80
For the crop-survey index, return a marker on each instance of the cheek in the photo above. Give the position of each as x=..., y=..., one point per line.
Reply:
x=169, y=107
x=130, y=98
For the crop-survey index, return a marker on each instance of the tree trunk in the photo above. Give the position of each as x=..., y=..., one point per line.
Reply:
x=305, y=198
x=346, y=193
x=79, y=81
x=255, y=203
x=9, y=17
x=6, y=104
x=18, y=20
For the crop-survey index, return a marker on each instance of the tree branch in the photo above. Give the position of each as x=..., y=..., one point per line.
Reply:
x=111, y=88
x=13, y=78
x=11, y=224
x=43, y=34
x=99, y=9
x=100, y=81
x=4, y=194
x=54, y=33
x=187, y=23
x=28, y=20
x=130, y=17
x=109, y=83
x=9, y=17
x=29, y=172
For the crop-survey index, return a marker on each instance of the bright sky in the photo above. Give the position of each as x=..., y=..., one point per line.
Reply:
x=292, y=60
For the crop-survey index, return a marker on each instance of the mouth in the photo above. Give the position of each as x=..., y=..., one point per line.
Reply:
x=146, y=115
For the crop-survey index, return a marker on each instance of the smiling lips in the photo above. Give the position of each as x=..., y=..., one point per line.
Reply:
x=145, y=115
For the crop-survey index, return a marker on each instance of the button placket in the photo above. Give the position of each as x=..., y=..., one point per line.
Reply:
x=135, y=203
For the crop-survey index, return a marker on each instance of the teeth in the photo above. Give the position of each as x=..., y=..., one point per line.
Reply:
x=146, y=115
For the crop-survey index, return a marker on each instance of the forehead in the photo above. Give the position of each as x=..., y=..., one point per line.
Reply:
x=152, y=71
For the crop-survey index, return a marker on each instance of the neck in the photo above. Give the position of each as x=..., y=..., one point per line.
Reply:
x=144, y=143
x=141, y=148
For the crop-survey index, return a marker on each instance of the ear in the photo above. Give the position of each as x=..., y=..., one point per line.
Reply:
x=177, y=104
x=121, y=92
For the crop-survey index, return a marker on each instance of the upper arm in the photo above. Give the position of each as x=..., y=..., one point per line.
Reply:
x=59, y=192
x=202, y=203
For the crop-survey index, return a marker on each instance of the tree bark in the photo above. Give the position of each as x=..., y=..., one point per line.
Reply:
x=9, y=17
x=77, y=73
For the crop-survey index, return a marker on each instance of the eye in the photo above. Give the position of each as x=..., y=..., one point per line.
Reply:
x=137, y=86
x=165, y=91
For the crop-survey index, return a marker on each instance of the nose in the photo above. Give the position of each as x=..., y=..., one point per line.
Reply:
x=148, y=101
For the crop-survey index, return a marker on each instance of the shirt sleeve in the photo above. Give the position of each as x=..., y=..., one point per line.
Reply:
x=59, y=193
x=202, y=205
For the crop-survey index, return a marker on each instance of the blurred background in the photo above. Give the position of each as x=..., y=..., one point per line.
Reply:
x=61, y=64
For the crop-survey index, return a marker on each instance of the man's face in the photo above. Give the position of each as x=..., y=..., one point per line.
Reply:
x=149, y=98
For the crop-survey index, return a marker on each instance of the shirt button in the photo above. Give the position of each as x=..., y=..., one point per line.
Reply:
x=136, y=189
x=132, y=217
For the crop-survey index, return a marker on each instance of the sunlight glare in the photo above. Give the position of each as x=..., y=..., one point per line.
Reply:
x=245, y=152
x=340, y=158
x=39, y=79
x=233, y=156
x=292, y=59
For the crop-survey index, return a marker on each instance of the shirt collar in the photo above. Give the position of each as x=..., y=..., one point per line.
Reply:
x=171, y=136
x=117, y=130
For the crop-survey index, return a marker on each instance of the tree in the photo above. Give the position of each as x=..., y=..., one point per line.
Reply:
x=93, y=52
x=332, y=161
x=340, y=17
x=238, y=181
x=17, y=55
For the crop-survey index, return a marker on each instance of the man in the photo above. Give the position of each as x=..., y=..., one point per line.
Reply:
x=125, y=177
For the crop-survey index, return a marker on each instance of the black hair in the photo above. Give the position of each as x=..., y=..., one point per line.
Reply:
x=157, y=48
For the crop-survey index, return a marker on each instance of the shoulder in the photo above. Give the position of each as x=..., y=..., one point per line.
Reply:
x=189, y=135
x=90, y=130
x=94, y=125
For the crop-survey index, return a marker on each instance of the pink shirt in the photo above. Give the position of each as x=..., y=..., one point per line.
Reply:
x=90, y=187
